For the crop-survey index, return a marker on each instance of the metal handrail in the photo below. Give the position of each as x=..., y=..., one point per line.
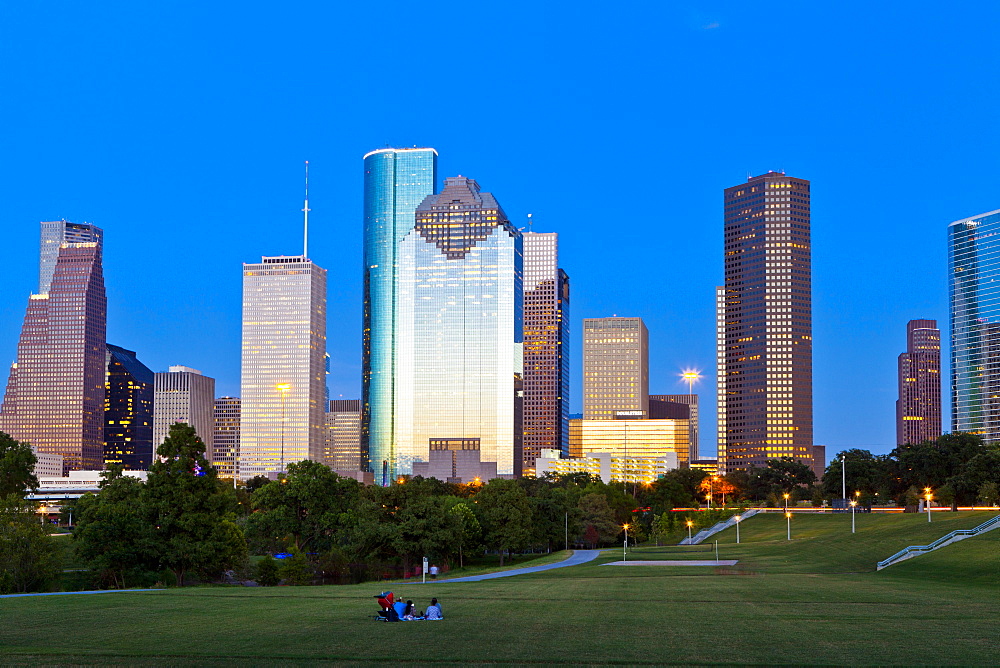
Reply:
x=985, y=526
x=718, y=526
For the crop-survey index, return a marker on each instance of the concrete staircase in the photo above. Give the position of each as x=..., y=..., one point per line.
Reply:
x=721, y=526
x=953, y=537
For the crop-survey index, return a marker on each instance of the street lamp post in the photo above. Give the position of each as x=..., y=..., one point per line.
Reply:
x=927, y=496
x=625, y=545
x=788, y=518
x=691, y=376
x=738, y=518
x=786, y=502
x=854, y=504
x=283, y=389
x=690, y=524
x=843, y=475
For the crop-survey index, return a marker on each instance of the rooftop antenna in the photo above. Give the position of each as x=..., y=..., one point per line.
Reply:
x=305, y=217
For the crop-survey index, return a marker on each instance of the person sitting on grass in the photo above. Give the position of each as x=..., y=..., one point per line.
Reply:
x=409, y=613
x=400, y=608
x=433, y=611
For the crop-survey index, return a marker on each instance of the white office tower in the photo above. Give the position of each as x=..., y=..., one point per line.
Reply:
x=183, y=394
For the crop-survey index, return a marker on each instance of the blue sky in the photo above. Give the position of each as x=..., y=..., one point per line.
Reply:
x=181, y=128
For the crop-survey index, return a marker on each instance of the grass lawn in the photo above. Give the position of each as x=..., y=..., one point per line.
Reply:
x=813, y=600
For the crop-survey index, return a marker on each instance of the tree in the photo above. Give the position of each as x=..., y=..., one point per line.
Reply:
x=595, y=512
x=982, y=469
x=505, y=515
x=191, y=511
x=113, y=534
x=781, y=476
x=304, y=510
x=988, y=494
x=29, y=558
x=17, y=467
x=468, y=529
x=932, y=463
x=865, y=473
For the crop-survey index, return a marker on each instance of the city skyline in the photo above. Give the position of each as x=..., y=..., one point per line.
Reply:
x=188, y=168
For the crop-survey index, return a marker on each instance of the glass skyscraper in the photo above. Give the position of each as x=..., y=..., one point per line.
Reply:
x=283, y=379
x=974, y=295
x=455, y=347
x=128, y=411
x=55, y=391
x=397, y=180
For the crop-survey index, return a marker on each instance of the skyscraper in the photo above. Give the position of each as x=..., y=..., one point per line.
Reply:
x=688, y=401
x=283, y=371
x=343, y=435
x=457, y=333
x=765, y=324
x=183, y=394
x=918, y=409
x=974, y=295
x=396, y=182
x=128, y=411
x=55, y=391
x=546, y=348
x=615, y=368
x=226, y=440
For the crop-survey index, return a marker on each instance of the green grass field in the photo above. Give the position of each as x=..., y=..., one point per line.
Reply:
x=814, y=600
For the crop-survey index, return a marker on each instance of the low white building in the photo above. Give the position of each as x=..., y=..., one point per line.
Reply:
x=46, y=464
x=607, y=466
x=73, y=486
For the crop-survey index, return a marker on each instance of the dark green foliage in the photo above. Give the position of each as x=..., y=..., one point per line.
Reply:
x=266, y=572
x=296, y=569
x=505, y=515
x=191, y=510
x=595, y=512
x=256, y=482
x=29, y=559
x=17, y=465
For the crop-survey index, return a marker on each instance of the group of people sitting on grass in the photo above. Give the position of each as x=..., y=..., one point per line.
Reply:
x=397, y=611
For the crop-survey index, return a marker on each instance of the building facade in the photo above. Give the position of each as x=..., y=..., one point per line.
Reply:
x=546, y=349
x=615, y=367
x=226, y=436
x=55, y=392
x=457, y=359
x=690, y=402
x=765, y=324
x=626, y=438
x=608, y=467
x=183, y=394
x=396, y=182
x=283, y=379
x=918, y=409
x=343, y=435
x=974, y=299
x=128, y=411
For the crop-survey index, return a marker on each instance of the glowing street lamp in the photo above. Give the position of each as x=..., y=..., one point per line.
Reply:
x=690, y=524
x=691, y=376
x=788, y=518
x=738, y=518
x=786, y=501
x=927, y=495
x=854, y=504
x=625, y=545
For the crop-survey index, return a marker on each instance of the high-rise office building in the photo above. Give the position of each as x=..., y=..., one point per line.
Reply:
x=55, y=391
x=974, y=296
x=546, y=349
x=765, y=324
x=343, y=435
x=226, y=438
x=128, y=411
x=660, y=407
x=615, y=368
x=396, y=182
x=457, y=333
x=283, y=371
x=183, y=394
x=918, y=409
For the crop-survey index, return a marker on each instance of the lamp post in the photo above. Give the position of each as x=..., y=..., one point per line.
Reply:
x=788, y=518
x=625, y=544
x=690, y=524
x=691, y=376
x=786, y=502
x=283, y=389
x=854, y=505
x=738, y=518
x=843, y=475
x=927, y=496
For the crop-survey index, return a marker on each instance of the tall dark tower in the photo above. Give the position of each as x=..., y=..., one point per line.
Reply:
x=55, y=392
x=128, y=411
x=764, y=331
x=918, y=409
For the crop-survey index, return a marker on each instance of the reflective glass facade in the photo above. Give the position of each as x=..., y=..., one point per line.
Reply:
x=974, y=292
x=764, y=315
x=128, y=411
x=546, y=349
x=918, y=409
x=283, y=373
x=55, y=391
x=396, y=182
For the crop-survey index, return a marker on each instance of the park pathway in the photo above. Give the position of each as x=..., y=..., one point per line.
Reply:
x=73, y=593
x=578, y=557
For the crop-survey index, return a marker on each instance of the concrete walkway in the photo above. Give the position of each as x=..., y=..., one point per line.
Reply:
x=71, y=593
x=578, y=557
